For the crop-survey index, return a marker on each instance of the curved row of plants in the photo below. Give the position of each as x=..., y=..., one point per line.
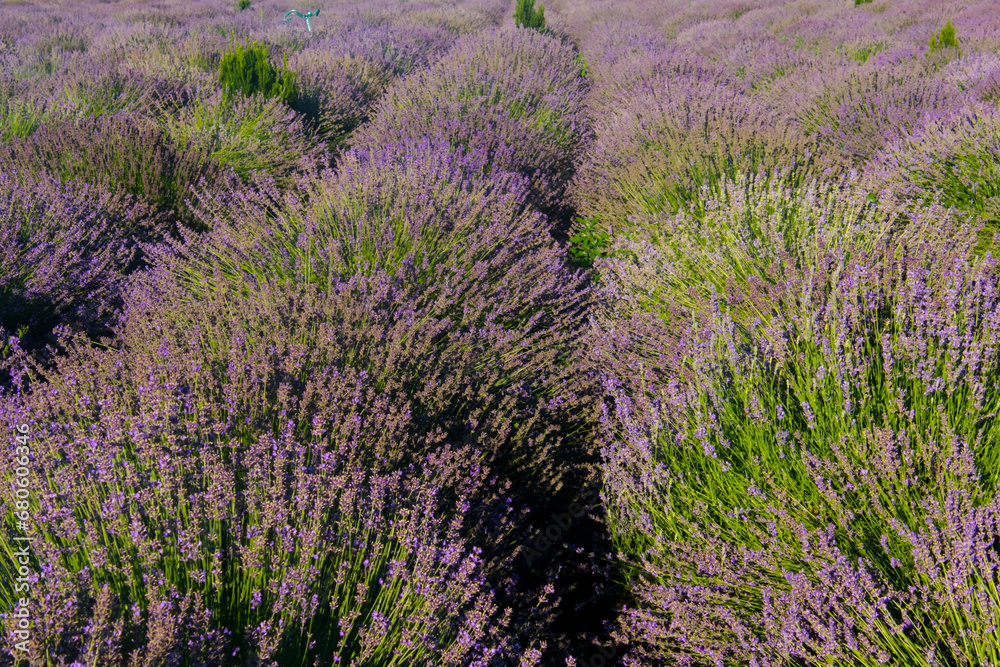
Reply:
x=322, y=401
x=794, y=241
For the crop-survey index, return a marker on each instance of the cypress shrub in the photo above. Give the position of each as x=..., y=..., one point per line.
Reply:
x=526, y=16
x=247, y=69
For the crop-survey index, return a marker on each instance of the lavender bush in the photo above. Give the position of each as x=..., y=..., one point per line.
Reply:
x=748, y=238
x=343, y=76
x=468, y=245
x=168, y=580
x=66, y=250
x=69, y=39
x=953, y=161
x=255, y=499
x=977, y=75
x=22, y=110
x=856, y=112
x=434, y=220
x=247, y=134
x=514, y=95
x=685, y=297
x=674, y=149
x=93, y=89
x=855, y=433
x=121, y=152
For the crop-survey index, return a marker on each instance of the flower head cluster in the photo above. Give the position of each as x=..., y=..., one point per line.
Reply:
x=514, y=96
x=64, y=252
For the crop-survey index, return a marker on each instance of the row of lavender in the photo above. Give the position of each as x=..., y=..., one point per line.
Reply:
x=296, y=440
x=794, y=207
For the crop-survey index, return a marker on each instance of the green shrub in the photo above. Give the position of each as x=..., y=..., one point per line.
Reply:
x=944, y=39
x=249, y=71
x=861, y=2
x=241, y=5
x=589, y=242
x=525, y=15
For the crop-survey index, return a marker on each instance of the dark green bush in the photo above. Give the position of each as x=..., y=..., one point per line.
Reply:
x=241, y=5
x=526, y=16
x=247, y=69
x=861, y=2
x=589, y=242
x=944, y=39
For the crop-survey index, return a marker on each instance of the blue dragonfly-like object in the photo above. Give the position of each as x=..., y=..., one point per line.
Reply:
x=301, y=15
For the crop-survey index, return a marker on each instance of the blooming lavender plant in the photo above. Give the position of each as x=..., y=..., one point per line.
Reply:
x=745, y=240
x=62, y=39
x=120, y=152
x=953, y=162
x=675, y=148
x=342, y=76
x=514, y=95
x=261, y=490
x=824, y=490
x=978, y=75
x=91, y=88
x=66, y=250
x=495, y=370
x=856, y=112
x=23, y=110
x=436, y=221
x=247, y=134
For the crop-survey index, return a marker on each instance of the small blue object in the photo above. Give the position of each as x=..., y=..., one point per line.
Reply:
x=297, y=13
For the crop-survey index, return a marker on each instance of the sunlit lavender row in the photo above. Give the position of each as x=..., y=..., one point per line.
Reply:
x=487, y=333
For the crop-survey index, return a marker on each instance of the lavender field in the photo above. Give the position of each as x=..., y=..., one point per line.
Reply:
x=479, y=333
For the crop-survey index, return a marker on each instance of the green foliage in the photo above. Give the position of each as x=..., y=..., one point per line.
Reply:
x=944, y=39
x=245, y=134
x=862, y=53
x=19, y=117
x=241, y=5
x=526, y=16
x=589, y=242
x=861, y=2
x=582, y=63
x=955, y=162
x=249, y=71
